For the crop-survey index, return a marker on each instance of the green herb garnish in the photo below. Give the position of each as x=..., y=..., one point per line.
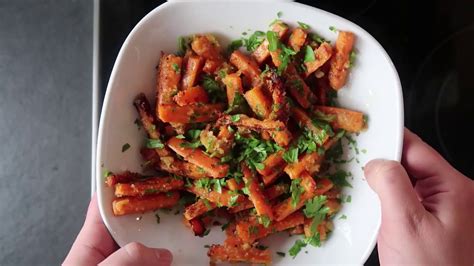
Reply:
x=154, y=144
x=125, y=147
x=309, y=54
x=304, y=26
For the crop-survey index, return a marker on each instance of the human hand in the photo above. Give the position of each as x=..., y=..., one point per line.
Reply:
x=427, y=208
x=94, y=245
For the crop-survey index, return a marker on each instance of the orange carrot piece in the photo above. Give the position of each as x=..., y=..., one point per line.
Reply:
x=340, y=61
x=233, y=185
x=226, y=198
x=233, y=85
x=275, y=55
x=307, y=162
x=321, y=55
x=206, y=46
x=270, y=193
x=286, y=207
x=194, y=113
x=212, y=166
x=322, y=228
x=273, y=160
x=298, y=88
x=124, y=177
x=261, y=204
x=129, y=205
x=297, y=39
x=348, y=120
x=198, y=208
x=148, y=186
x=194, y=65
x=191, y=95
x=334, y=206
x=259, y=101
x=282, y=137
x=247, y=66
x=234, y=254
x=298, y=230
x=169, y=75
x=212, y=65
x=261, y=53
x=252, y=123
x=250, y=230
x=323, y=185
x=304, y=121
x=174, y=166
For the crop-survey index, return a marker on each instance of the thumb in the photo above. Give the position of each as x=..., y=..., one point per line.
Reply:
x=393, y=186
x=137, y=254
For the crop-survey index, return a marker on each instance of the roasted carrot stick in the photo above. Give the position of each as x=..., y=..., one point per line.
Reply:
x=124, y=177
x=298, y=88
x=297, y=39
x=259, y=101
x=190, y=113
x=348, y=120
x=255, y=194
x=235, y=254
x=233, y=85
x=247, y=66
x=169, y=75
x=212, y=166
x=194, y=65
x=261, y=53
x=149, y=186
x=340, y=61
x=128, y=205
x=270, y=193
x=198, y=208
x=321, y=55
x=191, y=95
x=226, y=198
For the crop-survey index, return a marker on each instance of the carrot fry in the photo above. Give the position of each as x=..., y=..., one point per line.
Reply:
x=272, y=161
x=194, y=65
x=211, y=165
x=322, y=228
x=178, y=167
x=233, y=85
x=212, y=65
x=308, y=162
x=191, y=95
x=270, y=193
x=128, y=205
x=261, y=53
x=259, y=101
x=169, y=75
x=298, y=88
x=304, y=121
x=323, y=185
x=232, y=254
x=226, y=198
x=233, y=185
x=206, y=46
x=198, y=208
x=247, y=66
x=124, y=177
x=261, y=204
x=149, y=186
x=282, y=137
x=190, y=113
x=251, y=123
x=284, y=208
x=298, y=230
x=250, y=230
x=348, y=120
x=340, y=61
x=297, y=39
x=334, y=206
x=322, y=55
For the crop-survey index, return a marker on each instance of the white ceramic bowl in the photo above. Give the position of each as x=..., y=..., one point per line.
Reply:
x=373, y=88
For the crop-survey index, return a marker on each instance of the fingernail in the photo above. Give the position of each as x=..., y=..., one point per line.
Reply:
x=164, y=256
x=372, y=165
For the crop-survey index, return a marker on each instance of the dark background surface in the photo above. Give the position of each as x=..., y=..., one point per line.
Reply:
x=45, y=127
x=46, y=100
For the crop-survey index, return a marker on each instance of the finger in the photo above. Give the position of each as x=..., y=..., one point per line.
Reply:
x=391, y=183
x=138, y=254
x=94, y=243
x=420, y=160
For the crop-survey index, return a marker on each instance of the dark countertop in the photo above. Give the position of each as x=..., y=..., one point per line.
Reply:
x=45, y=118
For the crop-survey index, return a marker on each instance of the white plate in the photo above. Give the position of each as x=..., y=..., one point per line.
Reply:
x=373, y=88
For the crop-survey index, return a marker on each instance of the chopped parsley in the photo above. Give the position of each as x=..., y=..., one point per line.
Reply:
x=149, y=191
x=296, y=248
x=279, y=14
x=138, y=123
x=352, y=58
x=343, y=217
x=183, y=44
x=125, y=147
x=176, y=68
x=291, y=155
x=261, y=247
x=296, y=190
x=264, y=220
x=234, y=45
x=235, y=118
x=158, y=219
x=324, y=117
x=363, y=150
x=253, y=150
x=332, y=28
x=281, y=254
x=304, y=26
x=233, y=200
x=154, y=144
x=349, y=198
x=207, y=246
x=339, y=178
x=206, y=232
x=213, y=88
x=224, y=226
x=207, y=204
x=309, y=54
x=180, y=136
x=106, y=173
x=254, y=41
x=273, y=41
x=253, y=229
x=315, y=37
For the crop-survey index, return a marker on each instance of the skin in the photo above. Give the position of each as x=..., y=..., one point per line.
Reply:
x=427, y=208
x=95, y=246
